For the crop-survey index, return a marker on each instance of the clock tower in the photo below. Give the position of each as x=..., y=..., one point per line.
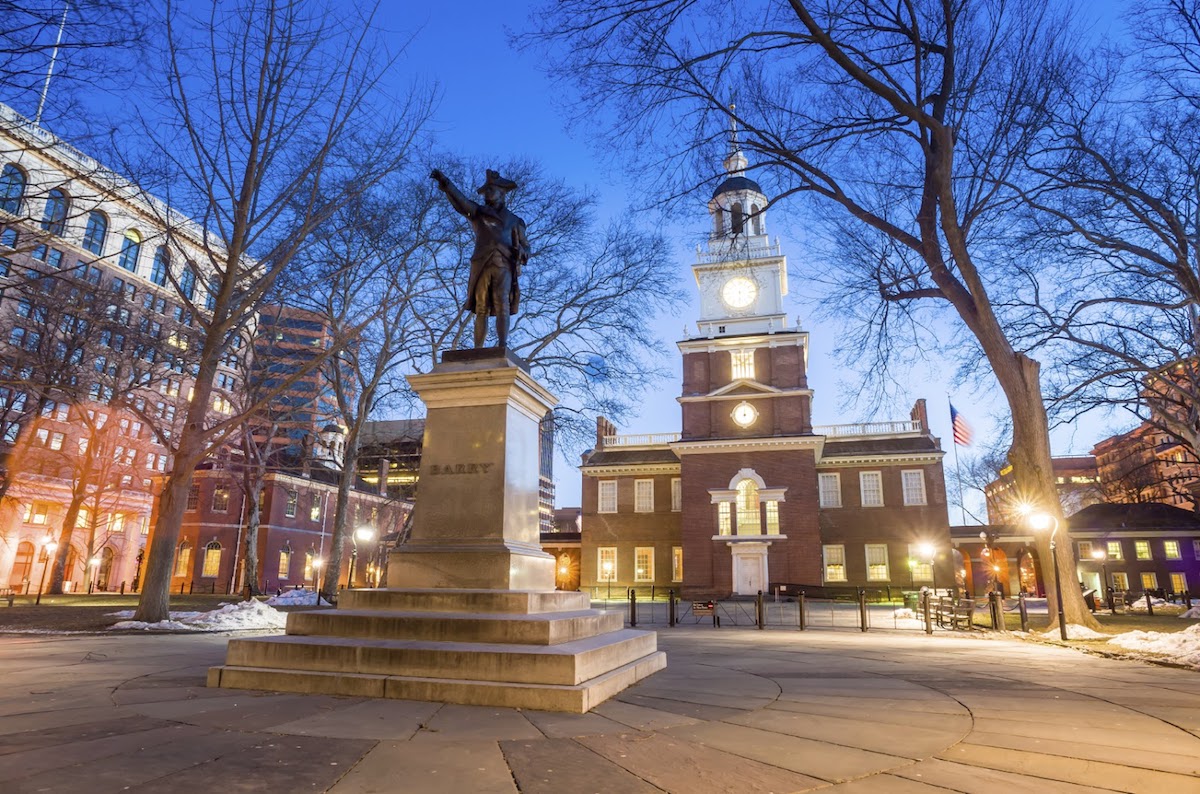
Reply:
x=747, y=451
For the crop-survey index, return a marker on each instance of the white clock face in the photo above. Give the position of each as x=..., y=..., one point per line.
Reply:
x=739, y=292
x=745, y=414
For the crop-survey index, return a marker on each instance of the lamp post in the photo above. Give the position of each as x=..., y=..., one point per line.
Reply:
x=366, y=535
x=929, y=551
x=1101, y=556
x=316, y=574
x=608, y=578
x=1041, y=522
x=49, y=546
x=94, y=564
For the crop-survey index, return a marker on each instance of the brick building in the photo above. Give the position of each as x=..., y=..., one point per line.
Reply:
x=749, y=495
x=1076, y=478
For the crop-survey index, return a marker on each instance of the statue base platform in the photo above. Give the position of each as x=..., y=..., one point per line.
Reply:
x=513, y=648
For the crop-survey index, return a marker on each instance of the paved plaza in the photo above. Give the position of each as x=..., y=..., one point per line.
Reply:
x=735, y=710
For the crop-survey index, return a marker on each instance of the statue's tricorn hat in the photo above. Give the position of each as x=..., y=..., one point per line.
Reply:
x=495, y=180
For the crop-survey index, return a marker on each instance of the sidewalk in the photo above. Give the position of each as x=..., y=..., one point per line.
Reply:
x=744, y=711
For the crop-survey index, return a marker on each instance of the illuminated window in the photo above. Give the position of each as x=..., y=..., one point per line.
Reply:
x=607, y=492
x=1149, y=580
x=772, y=508
x=1142, y=549
x=1178, y=583
x=1114, y=550
x=724, y=518
x=183, y=559
x=1085, y=549
x=606, y=564
x=308, y=564
x=36, y=513
x=743, y=364
x=877, y=562
x=285, y=562
x=1170, y=548
x=676, y=495
x=677, y=563
x=643, y=564
x=212, y=560
x=749, y=521
x=914, y=486
x=116, y=522
x=1120, y=580
x=314, y=512
x=220, y=499
x=293, y=499
x=835, y=563
x=643, y=496
x=871, y=485
x=830, y=486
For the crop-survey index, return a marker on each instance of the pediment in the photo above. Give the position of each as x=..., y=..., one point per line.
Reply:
x=743, y=386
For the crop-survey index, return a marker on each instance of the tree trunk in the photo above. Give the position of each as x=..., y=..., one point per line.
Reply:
x=59, y=572
x=340, y=518
x=154, y=603
x=250, y=550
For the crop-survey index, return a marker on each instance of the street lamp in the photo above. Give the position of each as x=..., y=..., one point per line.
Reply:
x=929, y=551
x=608, y=577
x=50, y=546
x=1041, y=522
x=1101, y=556
x=94, y=564
x=366, y=535
x=316, y=573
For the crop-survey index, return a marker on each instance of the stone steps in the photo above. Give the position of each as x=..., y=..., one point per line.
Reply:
x=576, y=698
x=548, y=628
x=523, y=602
x=569, y=663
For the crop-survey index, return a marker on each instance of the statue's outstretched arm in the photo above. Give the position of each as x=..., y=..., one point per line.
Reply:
x=457, y=200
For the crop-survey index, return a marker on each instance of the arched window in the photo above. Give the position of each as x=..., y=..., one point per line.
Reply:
x=131, y=248
x=183, y=559
x=12, y=189
x=285, y=562
x=187, y=282
x=756, y=218
x=162, y=260
x=749, y=521
x=22, y=565
x=55, y=219
x=719, y=222
x=737, y=218
x=93, y=234
x=309, y=556
x=105, y=571
x=212, y=560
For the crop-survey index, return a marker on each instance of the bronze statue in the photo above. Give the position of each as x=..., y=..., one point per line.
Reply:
x=500, y=251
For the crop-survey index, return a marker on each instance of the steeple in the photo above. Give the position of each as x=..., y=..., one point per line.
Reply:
x=738, y=205
x=735, y=161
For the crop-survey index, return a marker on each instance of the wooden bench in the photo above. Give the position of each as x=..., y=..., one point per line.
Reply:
x=8, y=593
x=954, y=614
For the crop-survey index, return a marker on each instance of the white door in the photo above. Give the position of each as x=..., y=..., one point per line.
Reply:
x=1091, y=581
x=749, y=575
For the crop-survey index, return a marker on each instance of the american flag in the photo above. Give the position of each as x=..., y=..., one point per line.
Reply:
x=962, y=430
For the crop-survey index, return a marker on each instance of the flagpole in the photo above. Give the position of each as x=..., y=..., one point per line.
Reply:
x=37, y=119
x=962, y=508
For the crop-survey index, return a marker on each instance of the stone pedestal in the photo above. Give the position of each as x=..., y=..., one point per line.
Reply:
x=471, y=615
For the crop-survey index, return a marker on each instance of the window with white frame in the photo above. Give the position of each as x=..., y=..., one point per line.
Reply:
x=877, y=562
x=1196, y=549
x=913, y=481
x=724, y=520
x=606, y=564
x=1178, y=583
x=643, y=564
x=835, y=563
x=920, y=565
x=183, y=559
x=220, y=499
x=285, y=562
x=749, y=520
x=830, y=489
x=676, y=494
x=309, y=557
x=1085, y=550
x=1113, y=547
x=677, y=563
x=870, y=485
x=116, y=522
x=607, y=496
x=36, y=513
x=742, y=363
x=1171, y=550
x=643, y=496
x=1120, y=580
x=212, y=560
x=293, y=499
x=772, y=511
x=1149, y=580
x=1142, y=549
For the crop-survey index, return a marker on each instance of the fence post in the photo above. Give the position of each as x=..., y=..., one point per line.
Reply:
x=671, y=607
x=1024, y=613
x=758, y=609
x=715, y=616
x=191, y=587
x=800, y=606
x=928, y=614
x=1149, y=606
x=122, y=587
x=862, y=608
x=632, y=607
x=997, y=611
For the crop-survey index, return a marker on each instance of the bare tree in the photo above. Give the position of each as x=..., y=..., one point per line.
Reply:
x=268, y=126
x=901, y=122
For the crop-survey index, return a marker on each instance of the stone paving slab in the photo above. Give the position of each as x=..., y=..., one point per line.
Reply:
x=736, y=710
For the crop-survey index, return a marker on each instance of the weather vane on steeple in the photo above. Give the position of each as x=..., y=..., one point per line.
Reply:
x=735, y=163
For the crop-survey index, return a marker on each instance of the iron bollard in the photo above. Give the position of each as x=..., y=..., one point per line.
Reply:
x=928, y=614
x=122, y=587
x=1024, y=613
x=862, y=608
x=800, y=606
x=632, y=607
x=191, y=587
x=1149, y=606
x=671, y=607
x=997, y=610
x=181, y=588
x=1108, y=595
x=758, y=609
x=1187, y=600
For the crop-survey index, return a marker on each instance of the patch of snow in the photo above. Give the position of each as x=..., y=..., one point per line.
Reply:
x=1076, y=632
x=1166, y=607
x=1193, y=613
x=295, y=598
x=905, y=614
x=228, y=617
x=1180, y=646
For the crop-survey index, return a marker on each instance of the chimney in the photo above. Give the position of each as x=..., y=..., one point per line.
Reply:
x=603, y=428
x=921, y=415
